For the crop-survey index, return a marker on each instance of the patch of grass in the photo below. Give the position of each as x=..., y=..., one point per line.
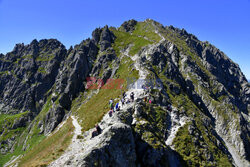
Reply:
x=11, y=133
x=18, y=61
x=79, y=137
x=4, y=72
x=147, y=30
x=5, y=158
x=210, y=140
x=125, y=39
x=7, y=120
x=93, y=111
x=45, y=57
x=193, y=153
x=154, y=127
x=185, y=146
x=42, y=70
x=51, y=147
x=46, y=107
x=27, y=57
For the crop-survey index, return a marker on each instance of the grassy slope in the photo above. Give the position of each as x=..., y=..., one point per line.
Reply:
x=6, y=121
x=142, y=35
x=50, y=148
x=36, y=141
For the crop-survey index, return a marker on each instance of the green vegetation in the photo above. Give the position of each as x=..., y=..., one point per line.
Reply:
x=147, y=30
x=51, y=147
x=4, y=72
x=23, y=135
x=7, y=121
x=142, y=35
x=42, y=70
x=185, y=146
x=154, y=125
x=39, y=149
x=18, y=61
x=27, y=57
x=192, y=153
x=5, y=158
x=125, y=39
x=45, y=57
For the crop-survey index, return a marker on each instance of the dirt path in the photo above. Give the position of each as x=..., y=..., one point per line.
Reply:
x=74, y=148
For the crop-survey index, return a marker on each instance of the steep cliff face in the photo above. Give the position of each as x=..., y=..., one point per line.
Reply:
x=198, y=115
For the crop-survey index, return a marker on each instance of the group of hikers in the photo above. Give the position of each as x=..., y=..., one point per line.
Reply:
x=113, y=108
x=116, y=107
x=127, y=100
x=147, y=99
x=124, y=100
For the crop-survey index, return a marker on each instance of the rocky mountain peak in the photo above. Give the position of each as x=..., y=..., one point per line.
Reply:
x=189, y=107
x=129, y=26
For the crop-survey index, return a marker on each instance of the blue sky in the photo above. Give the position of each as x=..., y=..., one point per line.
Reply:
x=224, y=23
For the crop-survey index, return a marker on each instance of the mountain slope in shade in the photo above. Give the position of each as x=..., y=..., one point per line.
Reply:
x=198, y=114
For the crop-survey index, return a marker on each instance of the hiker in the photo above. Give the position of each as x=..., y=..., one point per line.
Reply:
x=111, y=104
x=116, y=106
x=123, y=101
x=110, y=101
x=110, y=113
x=94, y=134
x=149, y=98
x=132, y=96
x=124, y=95
x=98, y=129
x=145, y=99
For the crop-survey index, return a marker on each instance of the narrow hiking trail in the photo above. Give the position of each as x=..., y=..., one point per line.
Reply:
x=74, y=148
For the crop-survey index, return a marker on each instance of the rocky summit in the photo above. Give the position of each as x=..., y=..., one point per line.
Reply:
x=177, y=101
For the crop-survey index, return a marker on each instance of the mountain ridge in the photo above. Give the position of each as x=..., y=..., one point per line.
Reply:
x=197, y=79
